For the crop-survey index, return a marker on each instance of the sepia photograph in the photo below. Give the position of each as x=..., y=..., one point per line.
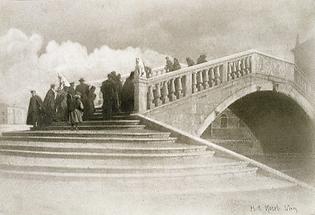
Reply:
x=157, y=107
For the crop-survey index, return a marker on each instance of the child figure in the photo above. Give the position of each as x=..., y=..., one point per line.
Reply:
x=76, y=111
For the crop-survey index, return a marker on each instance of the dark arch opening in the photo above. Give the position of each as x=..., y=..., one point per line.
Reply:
x=277, y=121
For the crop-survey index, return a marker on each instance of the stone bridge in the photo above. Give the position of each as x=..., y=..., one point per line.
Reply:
x=271, y=95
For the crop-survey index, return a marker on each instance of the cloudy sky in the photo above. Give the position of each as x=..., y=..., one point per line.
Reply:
x=91, y=38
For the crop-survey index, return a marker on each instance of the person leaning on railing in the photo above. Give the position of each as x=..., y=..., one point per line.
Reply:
x=169, y=65
x=202, y=59
x=176, y=65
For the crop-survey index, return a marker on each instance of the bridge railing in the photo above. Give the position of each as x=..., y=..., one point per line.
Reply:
x=159, y=90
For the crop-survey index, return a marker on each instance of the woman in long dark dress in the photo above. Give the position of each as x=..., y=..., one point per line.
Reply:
x=127, y=94
x=76, y=111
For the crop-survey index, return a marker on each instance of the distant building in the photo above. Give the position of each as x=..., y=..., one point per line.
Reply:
x=304, y=58
x=232, y=133
x=12, y=114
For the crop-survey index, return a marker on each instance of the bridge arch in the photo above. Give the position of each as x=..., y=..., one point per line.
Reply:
x=281, y=119
x=286, y=90
x=195, y=96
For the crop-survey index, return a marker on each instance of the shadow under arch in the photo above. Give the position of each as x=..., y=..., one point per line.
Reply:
x=288, y=91
x=277, y=121
x=282, y=119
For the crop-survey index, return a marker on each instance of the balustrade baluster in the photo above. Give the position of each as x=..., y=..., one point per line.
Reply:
x=219, y=71
x=240, y=67
x=199, y=81
x=205, y=79
x=165, y=93
x=178, y=88
x=229, y=72
x=212, y=77
x=248, y=65
x=209, y=77
x=215, y=73
x=234, y=71
x=244, y=72
x=172, y=96
x=150, y=97
x=157, y=95
x=194, y=82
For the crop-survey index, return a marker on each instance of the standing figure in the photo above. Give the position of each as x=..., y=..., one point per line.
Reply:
x=169, y=65
x=114, y=82
x=118, y=86
x=108, y=91
x=202, y=59
x=35, y=111
x=71, y=89
x=61, y=104
x=91, y=98
x=190, y=62
x=76, y=111
x=127, y=94
x=50, y=105
x=148, y=71
x=83, y=89
x=176, y=65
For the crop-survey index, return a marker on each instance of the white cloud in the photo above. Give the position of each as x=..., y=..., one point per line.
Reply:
x=22, y=69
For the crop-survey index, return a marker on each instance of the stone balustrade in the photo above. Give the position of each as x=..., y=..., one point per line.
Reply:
x=239, y=67
x=163, y=88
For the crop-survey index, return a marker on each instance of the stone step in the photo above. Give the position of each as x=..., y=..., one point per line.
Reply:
x=209, y=174
x=101, y=122
x=100, y=148
x=14, y=157
x=131, y=144
x=236, y=165
x=89, y=139
x=100, y=155
x=86, y=133
x=95, y=127
x=100, y=112
x=117, y=117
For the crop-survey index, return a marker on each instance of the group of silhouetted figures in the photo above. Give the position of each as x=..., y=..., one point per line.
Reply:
x=76, y=104
x=175, y=65
x=116, y=96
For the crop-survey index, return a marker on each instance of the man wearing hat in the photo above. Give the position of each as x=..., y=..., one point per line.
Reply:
x=83, y=89
x=50, y=105
x=34, y=113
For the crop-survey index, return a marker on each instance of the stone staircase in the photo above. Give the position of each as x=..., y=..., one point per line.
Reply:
x=121, y=149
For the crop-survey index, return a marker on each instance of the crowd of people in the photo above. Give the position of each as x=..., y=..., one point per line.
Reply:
x=175, y=65
x=74, y=104
x=116, y=96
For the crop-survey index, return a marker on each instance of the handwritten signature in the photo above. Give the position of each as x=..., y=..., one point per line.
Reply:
x=274, y=208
